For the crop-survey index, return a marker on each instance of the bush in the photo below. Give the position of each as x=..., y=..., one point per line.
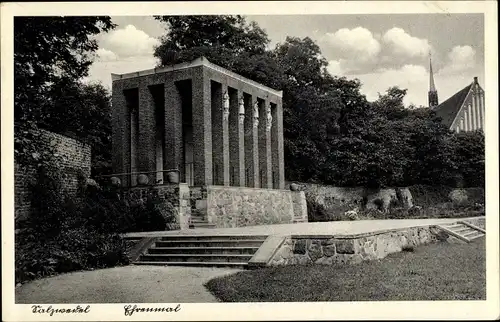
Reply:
x=107, y=211
x=75, y=249
x=64, y=234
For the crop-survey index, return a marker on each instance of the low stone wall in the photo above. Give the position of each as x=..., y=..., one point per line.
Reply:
x=342, y=199
x=349, y=250
x=330, y=196
x=229, y=207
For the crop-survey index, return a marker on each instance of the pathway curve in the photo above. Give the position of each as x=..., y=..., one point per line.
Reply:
x=127, y=284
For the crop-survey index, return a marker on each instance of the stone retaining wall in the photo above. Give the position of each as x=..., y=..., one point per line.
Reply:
x=229, y=207
x=350, y=250
x=348, y=198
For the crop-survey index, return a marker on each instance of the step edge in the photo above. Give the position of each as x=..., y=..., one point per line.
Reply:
x=197, y=255
x=191, y=263
x=454, y=234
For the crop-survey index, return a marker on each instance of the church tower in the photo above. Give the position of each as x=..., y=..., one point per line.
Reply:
x=433, y=94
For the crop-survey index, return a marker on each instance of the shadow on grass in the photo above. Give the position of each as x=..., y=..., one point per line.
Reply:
x=440, y=271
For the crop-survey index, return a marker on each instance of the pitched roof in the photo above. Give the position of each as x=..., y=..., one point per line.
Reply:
x=449, y=108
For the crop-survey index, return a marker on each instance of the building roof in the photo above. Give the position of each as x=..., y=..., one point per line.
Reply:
x=201, y=61
x=448, y=110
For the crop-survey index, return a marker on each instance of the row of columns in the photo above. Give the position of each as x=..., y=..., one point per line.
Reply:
x=246, y=134
x=237, y=130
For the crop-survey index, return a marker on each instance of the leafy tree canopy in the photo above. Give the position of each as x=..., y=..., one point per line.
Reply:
x=47, y=49
x=51, y=55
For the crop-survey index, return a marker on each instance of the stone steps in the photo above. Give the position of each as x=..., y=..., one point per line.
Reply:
x=209, y=243
x=198, y=264
x=199, y=250
x=203, y=250
x=196, y=258
x=199, y=221
x=463, y=231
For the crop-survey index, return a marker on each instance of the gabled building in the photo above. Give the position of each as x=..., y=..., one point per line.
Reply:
x=464, y=111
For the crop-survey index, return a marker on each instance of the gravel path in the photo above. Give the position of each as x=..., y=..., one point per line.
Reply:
x=128, y=284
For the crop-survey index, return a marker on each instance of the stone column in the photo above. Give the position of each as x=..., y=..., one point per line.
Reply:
x=237, y=138
x=146, y=149
x=251, y=142
x=120, y=118
x=220, y=135
x=173, y=127
x=265, y=125
x=278, y=158
x=202, y=129
x=462, y=127
x=133, y=142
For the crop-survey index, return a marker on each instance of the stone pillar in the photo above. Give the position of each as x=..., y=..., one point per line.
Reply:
x=278, y=146
x=173, y=127
x=202, y=129
x=265, y=164
x=220, y=135
x=146, y=149
x=462, y=127
x=120, y=118
x=133, y=143
x=237, y=138
x=251, y=142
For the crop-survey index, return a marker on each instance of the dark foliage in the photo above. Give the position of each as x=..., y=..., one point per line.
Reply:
x=332, y=134
x=63, y=234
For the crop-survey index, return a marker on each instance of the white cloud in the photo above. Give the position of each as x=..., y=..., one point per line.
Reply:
x=101, y=71
x=460, y=59
x=415, y=78
x=402, y=44
x=129, y=42
x=408, y=76
x=334, y=68
x=357, y=43
x=105, y=55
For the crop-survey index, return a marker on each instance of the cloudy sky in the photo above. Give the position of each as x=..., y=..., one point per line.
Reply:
x=380, y=50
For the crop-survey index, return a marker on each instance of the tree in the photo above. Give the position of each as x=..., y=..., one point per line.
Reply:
x=332, y=134
x=469, y=154
x=83, y=110
x=48, y=51
x=220, y=38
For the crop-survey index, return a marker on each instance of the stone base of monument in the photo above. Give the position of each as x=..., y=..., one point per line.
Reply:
x=227, y=207
x=289, y=244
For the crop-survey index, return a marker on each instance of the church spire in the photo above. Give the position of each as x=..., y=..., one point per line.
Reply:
x=432, y=95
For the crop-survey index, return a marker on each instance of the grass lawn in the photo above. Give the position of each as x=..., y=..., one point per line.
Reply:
x=439, y=271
